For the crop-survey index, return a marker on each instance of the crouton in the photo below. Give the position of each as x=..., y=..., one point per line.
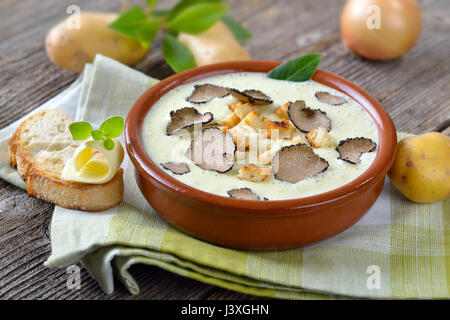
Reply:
x=254, y=173
x=280, y=129
x=241, y=134
x=254, y=120
x=298, y=139
x=281, y=111
x=266, y=156
x=231, y=120
x=251, y=127
x=241, y=109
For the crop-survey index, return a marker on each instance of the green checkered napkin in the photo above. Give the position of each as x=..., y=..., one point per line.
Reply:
x=409, y=244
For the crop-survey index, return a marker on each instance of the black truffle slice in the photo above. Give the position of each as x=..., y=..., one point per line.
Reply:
x=351, y=149
x=306, y=119
x=206, y=92
x=243, y=193
x=186, y=117
x=176, y=167
x=296, y=163
x=252, y=96
x=329, y=98
x=213, y=149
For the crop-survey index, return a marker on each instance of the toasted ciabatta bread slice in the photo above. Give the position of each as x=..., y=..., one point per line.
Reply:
x=40, y=148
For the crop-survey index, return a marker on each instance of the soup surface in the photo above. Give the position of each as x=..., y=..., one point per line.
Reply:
x=348, y=120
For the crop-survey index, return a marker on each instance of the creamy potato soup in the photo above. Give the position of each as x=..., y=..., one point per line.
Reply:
x=319, y=121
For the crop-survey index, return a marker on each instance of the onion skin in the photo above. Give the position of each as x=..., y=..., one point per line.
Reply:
x=400, y=22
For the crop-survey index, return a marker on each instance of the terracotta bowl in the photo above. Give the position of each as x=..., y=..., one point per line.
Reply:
x=249, y=224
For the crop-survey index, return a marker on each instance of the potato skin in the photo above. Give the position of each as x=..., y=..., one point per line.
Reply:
x=71, y=49
x=421, y=169
x=217, y=44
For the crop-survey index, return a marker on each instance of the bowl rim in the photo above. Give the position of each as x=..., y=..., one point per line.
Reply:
x=386, y=146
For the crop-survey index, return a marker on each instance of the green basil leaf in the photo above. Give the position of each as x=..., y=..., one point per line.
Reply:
x=173, y=33
x=159, y=13
x=151, y=4
x=97, y=134
x=80, y=130
x=129, y=19
x=113, y=127
x=135, y=24
x=197, y=18
x=298, y=69
x=236, y=28
x=177, y=54
x=184, y=4
x=108, y=144
x=146, y=33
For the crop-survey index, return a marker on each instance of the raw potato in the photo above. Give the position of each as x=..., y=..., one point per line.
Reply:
x=71, y=48
x=421, y=169
x=217, y=44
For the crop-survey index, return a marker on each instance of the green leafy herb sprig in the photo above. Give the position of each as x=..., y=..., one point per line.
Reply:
x=298, y=69
x=188, y=16
x=111, y=128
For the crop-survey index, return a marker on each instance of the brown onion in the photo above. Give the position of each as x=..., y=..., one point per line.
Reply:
x=380, y=29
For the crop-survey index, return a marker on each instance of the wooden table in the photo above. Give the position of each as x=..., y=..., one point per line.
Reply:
x=414, y=89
